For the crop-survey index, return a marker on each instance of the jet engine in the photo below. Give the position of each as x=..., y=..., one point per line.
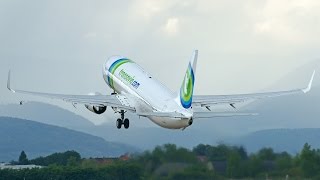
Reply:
x=96, y=109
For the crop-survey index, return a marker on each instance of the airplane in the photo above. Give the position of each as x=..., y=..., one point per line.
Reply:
x=135, y=91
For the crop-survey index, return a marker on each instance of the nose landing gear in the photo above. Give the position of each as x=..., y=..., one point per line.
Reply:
x=122, y=121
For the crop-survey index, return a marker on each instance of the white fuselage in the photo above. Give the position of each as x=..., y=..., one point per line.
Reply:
x=150, y=95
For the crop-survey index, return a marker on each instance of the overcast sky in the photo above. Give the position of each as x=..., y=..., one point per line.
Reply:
x=244, y=46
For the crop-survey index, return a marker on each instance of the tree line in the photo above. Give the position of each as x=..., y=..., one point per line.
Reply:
x=172, y=162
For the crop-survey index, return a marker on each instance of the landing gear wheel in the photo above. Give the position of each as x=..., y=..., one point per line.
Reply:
x=119, y=123
x=126, y=123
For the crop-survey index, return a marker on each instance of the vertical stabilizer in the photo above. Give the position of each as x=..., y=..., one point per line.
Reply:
x=186, y=90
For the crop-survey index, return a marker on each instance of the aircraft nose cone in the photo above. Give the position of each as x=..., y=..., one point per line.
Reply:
x=111, y=61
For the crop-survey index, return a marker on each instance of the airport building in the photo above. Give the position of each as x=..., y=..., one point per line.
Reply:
x=10, y=166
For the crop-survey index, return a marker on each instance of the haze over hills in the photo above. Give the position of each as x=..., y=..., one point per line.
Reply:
x=147, y=138
x=298, y=111
x=142, y=137
x=290, y=140
x=46, y=113
x=300, y=76
x=38, y=139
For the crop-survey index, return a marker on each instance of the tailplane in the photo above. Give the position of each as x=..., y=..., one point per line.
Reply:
x=186, y=91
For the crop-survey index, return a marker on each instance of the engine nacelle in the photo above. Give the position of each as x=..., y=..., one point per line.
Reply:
x=96, y=109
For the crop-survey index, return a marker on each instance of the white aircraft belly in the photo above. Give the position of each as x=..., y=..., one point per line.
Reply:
x=170, y=123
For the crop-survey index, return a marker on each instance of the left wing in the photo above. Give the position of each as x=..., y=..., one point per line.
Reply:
x=97, y=100
x=210, y=100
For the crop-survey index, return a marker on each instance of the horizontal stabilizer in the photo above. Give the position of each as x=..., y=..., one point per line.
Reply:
x=197, y=115
x=162, y=114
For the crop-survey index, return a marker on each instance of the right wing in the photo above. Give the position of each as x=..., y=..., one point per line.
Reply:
x=96, y=100
x=211, y=100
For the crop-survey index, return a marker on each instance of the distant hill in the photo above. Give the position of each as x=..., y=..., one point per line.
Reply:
x=147, y=138
x=294, y=112
x=290, y=140
x=142, y=137
x=38, y=139
x=283, y=112
x=46, y=113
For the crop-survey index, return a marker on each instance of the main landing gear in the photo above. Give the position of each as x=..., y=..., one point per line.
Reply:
x=122, y=121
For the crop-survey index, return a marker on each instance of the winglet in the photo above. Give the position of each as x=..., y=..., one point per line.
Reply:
x=310, y=83
x=8, y=82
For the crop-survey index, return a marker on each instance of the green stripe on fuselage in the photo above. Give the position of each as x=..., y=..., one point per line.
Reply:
x=114, y=67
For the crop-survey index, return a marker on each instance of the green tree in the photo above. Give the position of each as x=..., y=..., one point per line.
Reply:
x=201, y=150
x=72, y=161
x=255, y=165
x=23, y=160
x=234, y=165
x=218, y=153
x=283, y=162
x=242, y=152
x=309, y=161
x=267, y=154
x=59, y=159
